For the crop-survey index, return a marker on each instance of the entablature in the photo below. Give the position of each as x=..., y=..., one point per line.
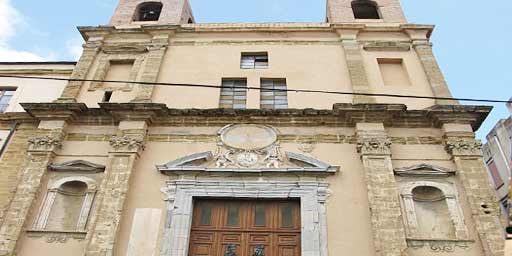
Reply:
x=341, y=115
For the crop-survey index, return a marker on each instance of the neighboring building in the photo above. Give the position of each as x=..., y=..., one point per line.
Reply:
x=498, y=156
x=175, y=168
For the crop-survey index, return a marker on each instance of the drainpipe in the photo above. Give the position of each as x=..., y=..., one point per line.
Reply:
x=11, y=132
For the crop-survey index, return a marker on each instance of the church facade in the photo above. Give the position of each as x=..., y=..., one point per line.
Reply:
x=178, y=138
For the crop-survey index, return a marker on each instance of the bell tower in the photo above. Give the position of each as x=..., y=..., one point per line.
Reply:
x=152, y=12
x=350, y=11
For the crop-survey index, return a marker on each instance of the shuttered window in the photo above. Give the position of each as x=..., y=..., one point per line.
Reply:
x=258, y=60
x=273, y=94
x=233, y=93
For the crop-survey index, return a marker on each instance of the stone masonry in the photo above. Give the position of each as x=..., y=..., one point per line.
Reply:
x=11, y=163
x=433, y=72
x=386, y=218
x=125, y=149
x=41, y=151
x=485, y=210
x=151, y=68
x=357, y=71
x=82, y=67
x=340, y=11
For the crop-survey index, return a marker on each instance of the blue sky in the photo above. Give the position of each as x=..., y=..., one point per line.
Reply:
x=470, y=40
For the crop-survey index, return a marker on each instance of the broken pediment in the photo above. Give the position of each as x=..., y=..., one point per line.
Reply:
x=77, y=165
x=244, y=149
x=424, y=170
x=247, y=162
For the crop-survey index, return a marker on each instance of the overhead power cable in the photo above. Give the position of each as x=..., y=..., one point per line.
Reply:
x=258, y=88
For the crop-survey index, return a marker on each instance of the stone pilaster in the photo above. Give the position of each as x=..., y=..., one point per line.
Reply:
x=82, y=67
x=357, y=71
x=433, y=72
x=485, y=210
x=41, y=150
x=388, y=231
x=125, y=149
x=151, y=70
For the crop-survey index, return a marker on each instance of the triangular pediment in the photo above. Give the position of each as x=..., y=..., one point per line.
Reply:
x=208, y=162
x=77, y=165
x=424, y=170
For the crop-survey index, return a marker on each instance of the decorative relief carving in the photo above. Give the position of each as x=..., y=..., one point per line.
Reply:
x=307, y=147
x=248, y=148
x=441, y=246
x=56, y=236
x=131, y=143
x=45, y=143
x=424, y=170
x=461, y=146
x=374, y=145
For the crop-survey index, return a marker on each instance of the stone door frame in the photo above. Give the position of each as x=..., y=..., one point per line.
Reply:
x=180, y=195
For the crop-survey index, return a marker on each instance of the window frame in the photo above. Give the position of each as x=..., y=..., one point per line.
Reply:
x=234, y=95
x=254, y=56
x=266, y=93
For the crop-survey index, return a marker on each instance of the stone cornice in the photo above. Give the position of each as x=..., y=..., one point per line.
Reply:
x=342, y=114
x=54, y=111
x=134, y=111
x=91, y=31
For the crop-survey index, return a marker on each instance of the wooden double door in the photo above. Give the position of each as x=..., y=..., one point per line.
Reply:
x=245, y=228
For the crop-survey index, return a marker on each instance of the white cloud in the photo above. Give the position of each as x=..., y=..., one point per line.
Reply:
x=11, y=55
x=74, y=48
x=10, y=21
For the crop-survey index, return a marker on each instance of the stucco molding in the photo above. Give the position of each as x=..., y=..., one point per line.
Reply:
x=450, y=196
x=181, y=193
x=440, y=246
x=45, y=143
x=463, y=147
x=206, y=162
x=127, y=143
x=56, y=236
x=374, y=145
x=424, y=170
x=77, y=165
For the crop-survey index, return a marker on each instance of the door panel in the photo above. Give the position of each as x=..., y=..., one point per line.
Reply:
x=245, y=228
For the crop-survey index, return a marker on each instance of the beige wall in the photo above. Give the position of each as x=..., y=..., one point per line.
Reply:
x=32, y=90
x=348, y=216
x=308, y=60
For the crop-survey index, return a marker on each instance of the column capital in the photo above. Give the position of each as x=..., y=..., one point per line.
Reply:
x=127, y=143
x=372, y=139
x=457, y=146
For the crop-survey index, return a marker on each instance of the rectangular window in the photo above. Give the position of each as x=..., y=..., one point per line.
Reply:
x=254, y=60
x=233, y=93
x=273, y=94
x=5, y=98
x=394, y=72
